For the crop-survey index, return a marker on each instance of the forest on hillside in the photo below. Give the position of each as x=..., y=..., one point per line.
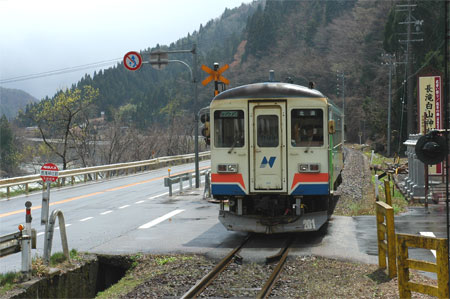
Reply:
x=336, y=44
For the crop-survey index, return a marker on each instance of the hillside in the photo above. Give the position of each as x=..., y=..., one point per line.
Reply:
x=13, y=100
x=302, y=41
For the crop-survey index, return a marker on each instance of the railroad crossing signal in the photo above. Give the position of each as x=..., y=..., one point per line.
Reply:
x=215, y=75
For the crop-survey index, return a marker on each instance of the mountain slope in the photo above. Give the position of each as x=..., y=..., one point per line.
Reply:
x=13, y=100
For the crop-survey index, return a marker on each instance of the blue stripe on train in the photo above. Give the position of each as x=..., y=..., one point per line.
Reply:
x=311, y=189
x=224, y=189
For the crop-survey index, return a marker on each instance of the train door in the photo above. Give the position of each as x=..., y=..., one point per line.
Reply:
x=267, y=146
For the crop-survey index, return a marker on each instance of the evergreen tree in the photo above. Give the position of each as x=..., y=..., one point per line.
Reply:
x=8, y=152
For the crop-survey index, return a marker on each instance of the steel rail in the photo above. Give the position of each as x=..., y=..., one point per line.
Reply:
x=267, y=288
x=202, y=284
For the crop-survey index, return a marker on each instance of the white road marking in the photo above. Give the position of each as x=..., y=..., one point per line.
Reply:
x=156, y=196
x=123, y=207
x=67, y=225
x=160, y=219
x=429, y=234
x=138, y=202
x=86, y=219
x=106, y=212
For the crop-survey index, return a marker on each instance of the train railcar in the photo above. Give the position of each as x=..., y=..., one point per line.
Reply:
x=276, y=157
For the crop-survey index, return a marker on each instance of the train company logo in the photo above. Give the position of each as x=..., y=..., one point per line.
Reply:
x=264, y=162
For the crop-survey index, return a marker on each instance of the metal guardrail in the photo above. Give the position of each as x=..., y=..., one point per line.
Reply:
x=108, y=170
x=10, y=243
x=180, y=178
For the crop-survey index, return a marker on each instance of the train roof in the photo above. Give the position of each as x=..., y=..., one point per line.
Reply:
x=269, y=90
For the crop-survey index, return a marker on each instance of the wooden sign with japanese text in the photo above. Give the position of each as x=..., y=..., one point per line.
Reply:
x=430, y=109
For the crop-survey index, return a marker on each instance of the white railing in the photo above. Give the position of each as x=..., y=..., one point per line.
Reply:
x=107, y=171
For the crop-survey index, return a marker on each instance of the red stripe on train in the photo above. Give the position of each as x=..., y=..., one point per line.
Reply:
x=309, y=178
x=228, y=178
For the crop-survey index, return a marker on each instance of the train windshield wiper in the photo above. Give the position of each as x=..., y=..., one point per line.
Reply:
x=233, y=145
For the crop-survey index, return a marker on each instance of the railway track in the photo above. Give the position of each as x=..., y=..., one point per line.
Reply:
x=281, y=257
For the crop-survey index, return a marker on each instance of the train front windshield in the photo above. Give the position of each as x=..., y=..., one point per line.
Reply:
x=306, y=127
x=229, y=128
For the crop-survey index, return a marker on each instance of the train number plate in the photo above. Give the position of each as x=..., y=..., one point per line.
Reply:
x=309, y=224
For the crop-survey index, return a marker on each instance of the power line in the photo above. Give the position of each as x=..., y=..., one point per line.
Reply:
x=61, y=71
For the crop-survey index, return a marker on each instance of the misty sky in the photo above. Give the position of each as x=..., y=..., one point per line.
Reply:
x=37, y=36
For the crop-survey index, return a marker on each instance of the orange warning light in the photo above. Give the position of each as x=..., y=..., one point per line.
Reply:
x=20, y=227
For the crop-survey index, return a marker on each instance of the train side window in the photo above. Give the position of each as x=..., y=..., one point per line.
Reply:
x=306, y=127
x=229, y=128
x=267, y=130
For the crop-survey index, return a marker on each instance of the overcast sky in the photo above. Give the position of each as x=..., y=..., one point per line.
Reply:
x=37, y=36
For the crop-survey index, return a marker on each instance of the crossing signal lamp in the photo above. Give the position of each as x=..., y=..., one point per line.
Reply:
x=204, y=118
x=431, y=148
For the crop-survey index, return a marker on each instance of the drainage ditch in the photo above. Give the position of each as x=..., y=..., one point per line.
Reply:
x=95, y=275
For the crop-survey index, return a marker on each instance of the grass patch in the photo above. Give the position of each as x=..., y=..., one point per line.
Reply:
x=165, y=260
x=8, y=281
x=57, y=258
x=365, y=203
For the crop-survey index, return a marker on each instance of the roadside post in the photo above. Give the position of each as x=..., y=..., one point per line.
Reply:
x=49, y=173
x=26, y=242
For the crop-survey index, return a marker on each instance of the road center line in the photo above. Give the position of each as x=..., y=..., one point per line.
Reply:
x=429, y=234
x=86, y=219
x=123, y=207
x=160, y=219
x=156, y=196
x=106, y=212
x=138, y=202
x=67, y=225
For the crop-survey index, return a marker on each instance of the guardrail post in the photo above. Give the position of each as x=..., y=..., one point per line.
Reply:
x=190, y=180
x=181, y=184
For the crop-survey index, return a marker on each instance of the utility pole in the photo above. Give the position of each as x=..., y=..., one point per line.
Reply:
x=389, y=61
x=409, y=82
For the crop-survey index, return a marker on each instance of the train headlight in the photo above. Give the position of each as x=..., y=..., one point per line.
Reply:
x=303, y=168
x=227, y=168
x=312, y=167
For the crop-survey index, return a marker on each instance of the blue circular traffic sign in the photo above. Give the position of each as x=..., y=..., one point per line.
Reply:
x=132, y=61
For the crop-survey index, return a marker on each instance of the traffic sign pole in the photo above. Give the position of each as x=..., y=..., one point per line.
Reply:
x=159, y=59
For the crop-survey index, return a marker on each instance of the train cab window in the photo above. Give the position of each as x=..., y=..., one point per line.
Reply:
x=307, y=127
x=267, y=130
x=229, y=128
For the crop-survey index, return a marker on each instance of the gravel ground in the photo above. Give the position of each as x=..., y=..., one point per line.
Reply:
x=302, y=277
x=356, y=190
